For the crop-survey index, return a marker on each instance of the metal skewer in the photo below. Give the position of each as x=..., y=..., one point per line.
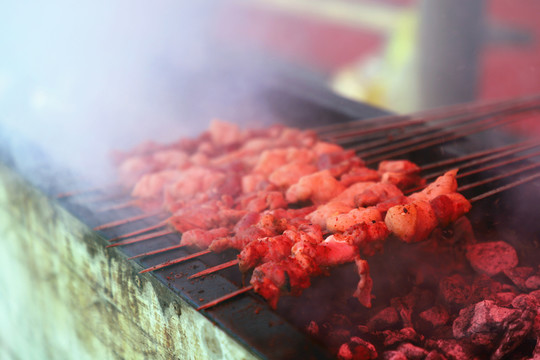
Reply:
x=437, y=126
x=396, y=121
x=125, y=205
x=225, y=298
x=141, y=231
x=479, y=154
x=214, y=269
x=128, y=220
x=176, y=261
x=505, y=187
x=425, y=142
x=487, y=159
x=498, y=177
x=499, y=164
x=142, y=238
x=84, y=191
x=159, y=251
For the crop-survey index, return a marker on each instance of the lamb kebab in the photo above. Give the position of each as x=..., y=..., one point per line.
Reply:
x=413, y=220
x=234, y=189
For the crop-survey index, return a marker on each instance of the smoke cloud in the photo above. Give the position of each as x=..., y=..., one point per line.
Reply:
x=81, y=78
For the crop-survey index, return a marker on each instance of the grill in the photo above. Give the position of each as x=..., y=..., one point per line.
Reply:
x=244, y=326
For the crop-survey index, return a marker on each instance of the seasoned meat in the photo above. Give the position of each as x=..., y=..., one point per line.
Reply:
x=356, y=216
x=411, y=222
x=318, y=187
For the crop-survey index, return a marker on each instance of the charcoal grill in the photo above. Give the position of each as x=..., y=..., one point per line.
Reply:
x=121, y=313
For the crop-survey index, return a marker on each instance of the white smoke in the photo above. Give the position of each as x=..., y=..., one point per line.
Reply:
x=79, y=78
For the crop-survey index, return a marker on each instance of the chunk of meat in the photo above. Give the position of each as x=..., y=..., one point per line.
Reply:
x=335, y=251
x=322, y=147
x=450, y=207
x=365, y=284
x=224, y=133
x=253, y=182
x=359, y=174
x=273, y=159
x=206, y=216
x=152, y=185
x=445, y=184
x=338, y=162
x=196, y=180
x=403, y=174
x=348, y=195
x=289, y=174
x=398, y=166
x=367, y=236
x=411, y=222
x=262, y=250
x=132, y=168
x=326, y=211
x=272, y=279
x=266, y=225
x=171, y=159
x=318, y=187
x=377, y=193
x=202, y=238
x=402, y=180
x=264, y=200
x=356, y=216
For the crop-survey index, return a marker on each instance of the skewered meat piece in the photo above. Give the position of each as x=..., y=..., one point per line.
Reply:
x=327, y=210
x=359, y=174
x=445, y=184
x=223, y=133
x=266, y=249
x=209, y=215
x=202, y=238
x=171, y=159
x=253, y=228
x=273, y=159
x=450, y=207
x=338, y=162
x=402, y=173
x=318, y=187
x=152, y=185
x=291, y=275
x=263, y=200
x=411, y=222
x=367, y=237
x=348, y=195
x=289, y=174
x=437, y=204
x=196, y=180
x=132, y=168
x=271, y=279
x=311, y=256
x=278, y=247
x=363, y=289
x=356, y=216
x=398, y=166
x=377, y=193
x=253, y=182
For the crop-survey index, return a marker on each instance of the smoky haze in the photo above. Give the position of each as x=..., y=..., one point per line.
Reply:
x=81, y=78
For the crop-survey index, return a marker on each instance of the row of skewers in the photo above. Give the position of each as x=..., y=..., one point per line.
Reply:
x=341, y=210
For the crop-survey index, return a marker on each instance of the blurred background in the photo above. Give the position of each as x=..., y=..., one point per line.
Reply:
x=77, y=74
